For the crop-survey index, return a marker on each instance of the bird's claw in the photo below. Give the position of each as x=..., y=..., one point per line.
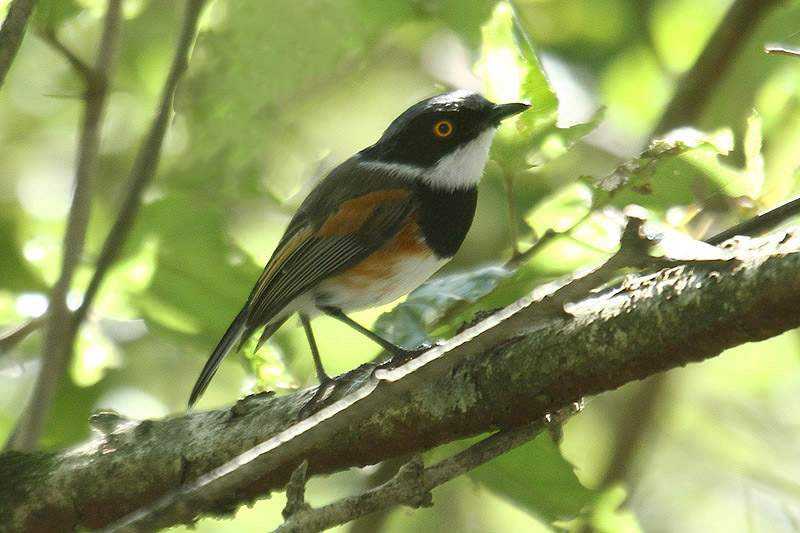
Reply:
x=402, y=356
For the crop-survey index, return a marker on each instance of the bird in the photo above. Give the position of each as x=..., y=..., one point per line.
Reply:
x=376, y=226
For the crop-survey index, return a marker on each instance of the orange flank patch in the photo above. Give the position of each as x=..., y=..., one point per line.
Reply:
x=279, y=257
x=353, y=214
x=407, y=244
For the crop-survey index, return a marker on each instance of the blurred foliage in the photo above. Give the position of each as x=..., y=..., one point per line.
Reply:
x=279, y=92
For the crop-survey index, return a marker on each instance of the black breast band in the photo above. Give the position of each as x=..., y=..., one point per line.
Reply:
x=445, y=217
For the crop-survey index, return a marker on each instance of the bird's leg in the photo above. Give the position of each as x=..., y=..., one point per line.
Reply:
x=322, y=376
x=325, y=381
x=399, y=354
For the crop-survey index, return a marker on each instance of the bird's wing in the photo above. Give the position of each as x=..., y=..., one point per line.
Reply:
x=329, y=234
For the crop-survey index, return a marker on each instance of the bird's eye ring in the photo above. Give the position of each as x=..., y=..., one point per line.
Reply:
x=443, y=128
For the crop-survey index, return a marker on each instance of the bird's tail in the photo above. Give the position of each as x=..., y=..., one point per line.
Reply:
x=225, y=344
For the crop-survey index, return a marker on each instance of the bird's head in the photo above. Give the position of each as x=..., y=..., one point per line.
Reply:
x=443, y=140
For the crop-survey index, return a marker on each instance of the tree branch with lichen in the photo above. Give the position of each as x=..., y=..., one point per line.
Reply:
x=513, y=368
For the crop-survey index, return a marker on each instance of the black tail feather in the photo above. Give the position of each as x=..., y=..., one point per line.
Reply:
x=225, y=344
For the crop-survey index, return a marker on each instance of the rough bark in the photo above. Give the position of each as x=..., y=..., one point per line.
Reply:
x=510, y=369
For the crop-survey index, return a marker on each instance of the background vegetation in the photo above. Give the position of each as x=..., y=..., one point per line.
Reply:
x=279, y=92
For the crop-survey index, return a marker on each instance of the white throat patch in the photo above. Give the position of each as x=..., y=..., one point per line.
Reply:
x=460, y=169
x=463, y=167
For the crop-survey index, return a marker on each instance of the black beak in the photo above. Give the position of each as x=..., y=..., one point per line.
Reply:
x=501, y=111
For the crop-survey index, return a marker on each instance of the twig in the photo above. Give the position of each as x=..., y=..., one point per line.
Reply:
x=60, y=332
x=508, y=179
x=546, y=237
x=697, y=85
x=146, y=160
x=14, y=335
x=412, y=483
x=377, y=521
x=760, y=223
x=629, y=436
x=12, y=32
x=296, y=491
x=781, y=50
x=77, y=63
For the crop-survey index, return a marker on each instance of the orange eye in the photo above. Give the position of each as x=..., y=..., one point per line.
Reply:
x=443, y=128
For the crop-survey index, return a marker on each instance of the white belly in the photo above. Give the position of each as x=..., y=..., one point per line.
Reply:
x=352, y=291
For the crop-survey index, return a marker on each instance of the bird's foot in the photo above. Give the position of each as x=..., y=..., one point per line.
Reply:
x=316, y=402
x=402, y=356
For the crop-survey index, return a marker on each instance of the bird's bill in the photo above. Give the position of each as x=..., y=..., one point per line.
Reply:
x=503, y=111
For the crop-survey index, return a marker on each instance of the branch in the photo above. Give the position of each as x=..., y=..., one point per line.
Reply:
x=509, y=370
x=144, y=167
x=147, y=159
x=12, y=32
x=781, y=50
x=59, y=334
x=412, y=484
x=760, y=223
x=14, y=335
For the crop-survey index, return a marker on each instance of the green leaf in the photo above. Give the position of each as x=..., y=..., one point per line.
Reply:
x=537, y=478
x=408, y=323
x=561, y=210
x=513, y=73
x=606, y=515
x=676, y=171
x=245, y=85
x=511, y=69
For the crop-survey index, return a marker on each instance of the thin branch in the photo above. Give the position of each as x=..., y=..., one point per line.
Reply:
x=147, y=160
x=508, y=179
x=15, y=335
x=760, y=223
x=296, y=491
x=377, y=520
x=81, y=66
x=781, y=50
x=632, y=428
x=412, y=484
x=59, y=334
x=697, y=85
x=539, y=245
x=12, y=32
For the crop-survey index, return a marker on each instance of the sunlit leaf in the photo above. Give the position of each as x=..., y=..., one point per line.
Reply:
x=606, y=515
x=676, y=171
x=562, y=209
x=511, y=76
